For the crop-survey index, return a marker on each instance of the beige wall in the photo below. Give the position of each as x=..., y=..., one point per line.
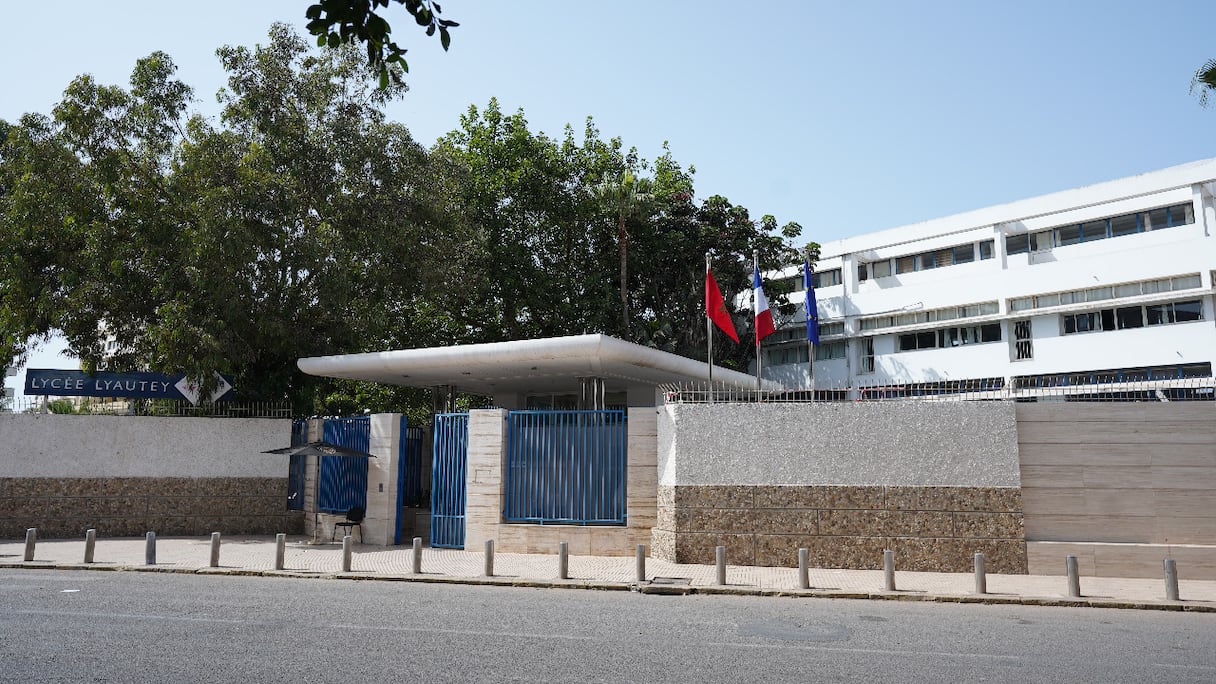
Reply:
x=1120, y=485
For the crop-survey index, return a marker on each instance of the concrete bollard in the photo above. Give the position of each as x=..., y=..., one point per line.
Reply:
x=31, y=539
x=1171, y=580
x=1074, y=577
x=280, y=551
x=888, y=570
x=804, y=572
x=215, y=549
x=488, y=571
x=981, y=578
x=416, y=564
x=641, y=562
x=347, y=546
x=563, y=560
x=90, y=543
x=720, y=559
x=150, y=548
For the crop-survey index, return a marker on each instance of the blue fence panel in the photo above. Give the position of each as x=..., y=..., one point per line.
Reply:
x=566, y=467
x=343, y=482
x=451, y=455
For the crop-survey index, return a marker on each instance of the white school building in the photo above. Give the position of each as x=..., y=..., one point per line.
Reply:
x=1092, y=291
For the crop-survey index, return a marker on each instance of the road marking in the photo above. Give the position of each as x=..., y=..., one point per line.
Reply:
x=126, y=616
x=868, y=651
x=470, y=632
x=1205, y=668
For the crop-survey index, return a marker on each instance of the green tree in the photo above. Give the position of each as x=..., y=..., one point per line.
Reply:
x=625, y=197
x=301, y=223
x=337, y=23
x=1203, y=82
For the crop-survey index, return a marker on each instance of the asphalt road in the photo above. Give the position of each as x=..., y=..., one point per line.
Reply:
x=141, y=627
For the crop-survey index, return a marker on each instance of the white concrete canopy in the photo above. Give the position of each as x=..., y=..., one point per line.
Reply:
x=527, y=366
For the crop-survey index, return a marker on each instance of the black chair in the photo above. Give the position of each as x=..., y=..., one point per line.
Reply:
x=354, y=518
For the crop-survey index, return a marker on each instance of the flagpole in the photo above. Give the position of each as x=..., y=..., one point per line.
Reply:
x=709, y=333
x=759, y=361
x=807, y=276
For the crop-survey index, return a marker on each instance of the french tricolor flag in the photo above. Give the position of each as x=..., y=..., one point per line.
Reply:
x=764, y=317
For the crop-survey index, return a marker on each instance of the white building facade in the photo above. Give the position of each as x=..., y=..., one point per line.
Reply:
x=1098, y=290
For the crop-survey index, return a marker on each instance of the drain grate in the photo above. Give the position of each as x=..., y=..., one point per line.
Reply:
x=675, y=581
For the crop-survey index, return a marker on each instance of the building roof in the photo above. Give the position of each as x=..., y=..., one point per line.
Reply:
x=1180, y=176
x=526, y=366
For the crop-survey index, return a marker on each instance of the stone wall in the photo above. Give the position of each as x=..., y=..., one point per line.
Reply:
x=126, y=475
x=934, y=482
x=928, y=528
x=131, y=506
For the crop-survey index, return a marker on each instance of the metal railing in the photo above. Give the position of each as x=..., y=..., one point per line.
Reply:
x=566, y=467
x=981, y=389
x=167, y=408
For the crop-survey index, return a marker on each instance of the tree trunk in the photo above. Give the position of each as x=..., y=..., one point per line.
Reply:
x=623, y=240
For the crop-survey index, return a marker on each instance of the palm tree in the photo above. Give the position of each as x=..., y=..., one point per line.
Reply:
x=1204, y=81
x=624, y=197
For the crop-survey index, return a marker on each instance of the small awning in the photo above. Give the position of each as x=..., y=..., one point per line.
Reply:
x=527, y=366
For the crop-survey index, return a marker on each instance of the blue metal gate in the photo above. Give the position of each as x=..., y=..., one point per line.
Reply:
x=566, y=467
x=409, y=474
x=343, y=483
x=451, y=455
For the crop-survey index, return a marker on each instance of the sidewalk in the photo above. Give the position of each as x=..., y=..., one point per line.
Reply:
x=255, y=556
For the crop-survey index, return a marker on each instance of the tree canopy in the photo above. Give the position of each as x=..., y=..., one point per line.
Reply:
x=302, y=222
x=1203, y=83
x=343, y=22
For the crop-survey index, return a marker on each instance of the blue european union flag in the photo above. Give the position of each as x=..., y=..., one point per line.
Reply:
x=812, y=307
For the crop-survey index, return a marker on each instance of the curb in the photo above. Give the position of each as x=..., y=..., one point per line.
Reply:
x=642, y=588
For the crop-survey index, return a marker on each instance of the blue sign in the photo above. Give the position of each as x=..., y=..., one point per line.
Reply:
x=69, y=383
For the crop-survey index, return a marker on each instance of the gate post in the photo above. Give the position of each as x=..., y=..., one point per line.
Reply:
x=383, y=511
x=484, y=475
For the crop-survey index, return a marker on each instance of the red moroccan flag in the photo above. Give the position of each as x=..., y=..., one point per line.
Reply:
x=715, y=307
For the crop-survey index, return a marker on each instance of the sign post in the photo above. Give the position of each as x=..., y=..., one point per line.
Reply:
x=74, y=383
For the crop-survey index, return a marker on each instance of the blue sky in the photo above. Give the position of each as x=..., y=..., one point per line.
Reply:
x=847, y=117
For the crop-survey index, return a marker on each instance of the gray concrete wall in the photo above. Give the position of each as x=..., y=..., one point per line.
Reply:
x=33, y=445
x=953, y=444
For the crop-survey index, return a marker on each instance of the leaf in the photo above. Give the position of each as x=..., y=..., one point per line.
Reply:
x=444, y=39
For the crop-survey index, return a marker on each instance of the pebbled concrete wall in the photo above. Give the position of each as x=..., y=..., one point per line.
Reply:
x=954, y=444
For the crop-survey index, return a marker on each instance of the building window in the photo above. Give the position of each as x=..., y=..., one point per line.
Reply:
x=1023, y=345
x=1174, y=312
x=865, y=355
x=1113, y=226
x=1017, y=244
x=787, y=356
x=949, y=337
x=1128, y=317
x=1094, y=294
x=830, y=350
x=863, y=273
x=828, y=329
x=986, y=249
x=826, y=278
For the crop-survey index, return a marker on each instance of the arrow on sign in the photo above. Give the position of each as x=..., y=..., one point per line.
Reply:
x=191, y=389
